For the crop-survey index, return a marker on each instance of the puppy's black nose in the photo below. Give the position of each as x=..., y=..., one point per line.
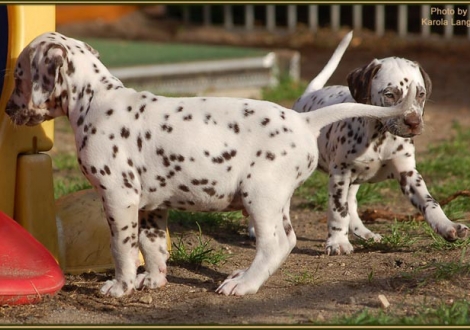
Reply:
x=11, y=108
x=412, y=120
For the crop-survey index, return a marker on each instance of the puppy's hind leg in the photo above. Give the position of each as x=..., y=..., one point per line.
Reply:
x=338, y=212
x=275, y=239
x=153, y=244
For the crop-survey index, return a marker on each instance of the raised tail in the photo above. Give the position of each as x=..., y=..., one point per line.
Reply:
x=325, y=116
x=320, y=80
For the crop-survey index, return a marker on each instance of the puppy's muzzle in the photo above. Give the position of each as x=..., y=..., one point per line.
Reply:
x=22, y=116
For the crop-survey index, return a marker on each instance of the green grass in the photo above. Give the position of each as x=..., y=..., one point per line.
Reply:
x=71, y=178
x=315, y=191
x=228, y=222
x=197, y=255
x=118, y=53
x=445, y=271
x=403, y=235
x=286, y=91
x=303, y=278
x=440, y=271
x=63, y=187
x=65, y=162
x=456, y=313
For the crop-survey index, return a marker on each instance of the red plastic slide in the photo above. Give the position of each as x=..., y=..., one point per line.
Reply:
x=27, y=269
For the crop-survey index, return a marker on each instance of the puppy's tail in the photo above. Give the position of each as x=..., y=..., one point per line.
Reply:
x=325, y=116
x=320, y=80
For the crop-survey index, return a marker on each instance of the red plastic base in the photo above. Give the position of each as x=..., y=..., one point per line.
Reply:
x=27, y=269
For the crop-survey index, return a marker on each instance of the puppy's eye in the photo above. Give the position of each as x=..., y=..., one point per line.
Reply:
x=421, y=95
x=389, y=95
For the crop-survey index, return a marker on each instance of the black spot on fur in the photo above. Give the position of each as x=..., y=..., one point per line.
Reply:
x=80, y=121
x=270, y=155
x=265, y=121
x=184, y=188
x=209, y=190
x=166, y=128
x=234, y=127
x=139, y=143
x=125, y=133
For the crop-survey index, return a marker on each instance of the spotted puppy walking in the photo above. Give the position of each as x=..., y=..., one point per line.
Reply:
x=358, y=150
x=145, y=154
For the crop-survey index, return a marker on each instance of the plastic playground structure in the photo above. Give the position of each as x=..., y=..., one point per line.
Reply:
x=41, y=238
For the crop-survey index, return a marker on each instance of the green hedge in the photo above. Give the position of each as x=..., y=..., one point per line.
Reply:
x=119, y=53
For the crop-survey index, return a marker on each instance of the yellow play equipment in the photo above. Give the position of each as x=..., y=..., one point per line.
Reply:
x=26, y=189
x=72, y=228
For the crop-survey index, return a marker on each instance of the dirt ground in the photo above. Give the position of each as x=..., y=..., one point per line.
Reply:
x=336, y=286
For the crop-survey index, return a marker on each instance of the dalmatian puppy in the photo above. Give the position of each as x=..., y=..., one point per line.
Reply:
x=145, y=154
x=358, y=150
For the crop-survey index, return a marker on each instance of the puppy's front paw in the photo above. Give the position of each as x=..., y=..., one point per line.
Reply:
x=116, y=288
x=151, y=281
x=337, y=247
x=452, y=231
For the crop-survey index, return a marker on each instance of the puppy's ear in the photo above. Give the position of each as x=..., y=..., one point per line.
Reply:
x=427, y=81
x=45, y=66
x=360, y=79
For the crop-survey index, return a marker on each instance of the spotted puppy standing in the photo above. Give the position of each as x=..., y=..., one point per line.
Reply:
x=358, y=150
x=145, y=154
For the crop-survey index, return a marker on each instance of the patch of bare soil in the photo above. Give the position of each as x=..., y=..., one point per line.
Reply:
x=309, y=287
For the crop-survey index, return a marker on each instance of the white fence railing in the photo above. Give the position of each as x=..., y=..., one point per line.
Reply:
x=425, y=20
